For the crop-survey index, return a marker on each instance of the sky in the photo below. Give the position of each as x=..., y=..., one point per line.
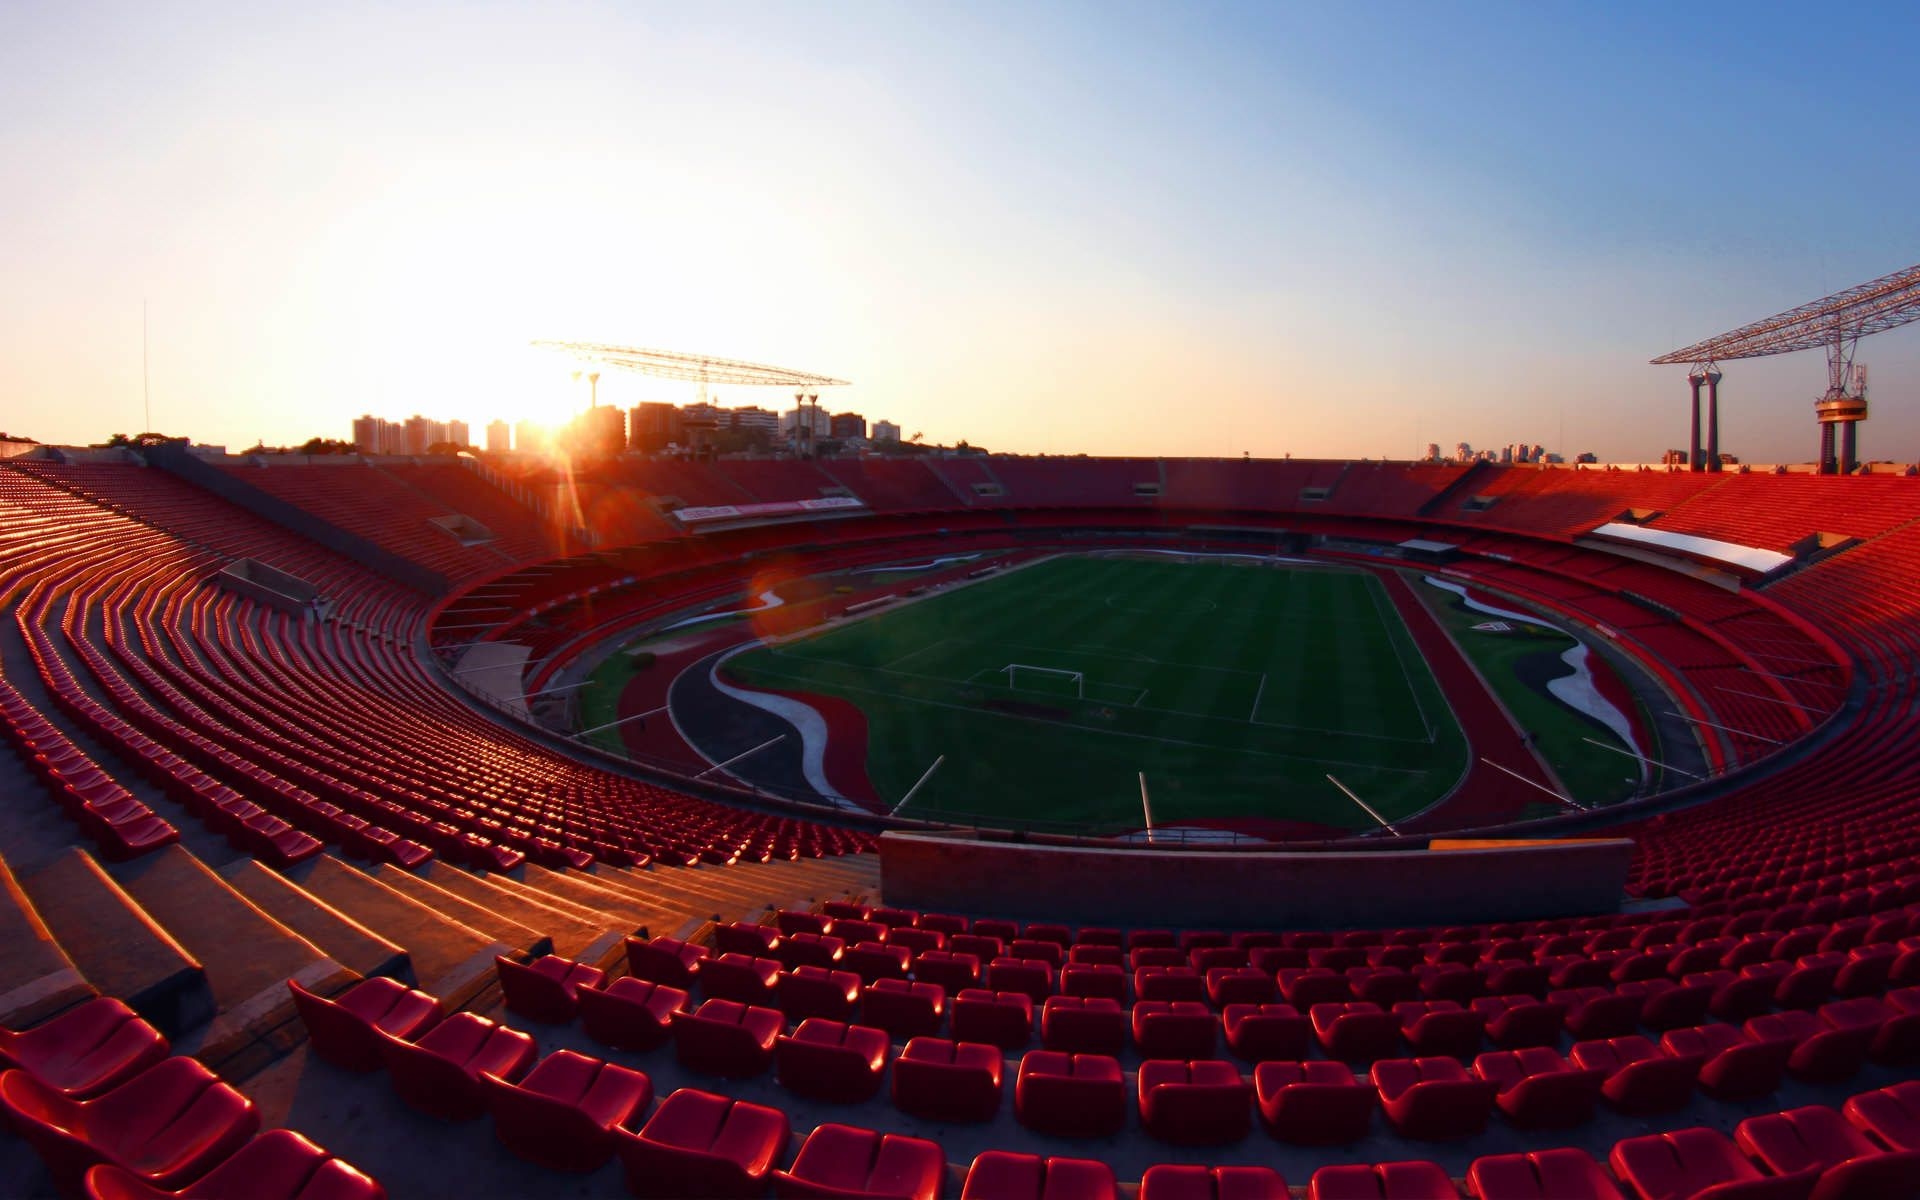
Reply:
x=1327, y=230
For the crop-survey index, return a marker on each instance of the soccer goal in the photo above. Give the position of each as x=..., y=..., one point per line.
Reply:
x=1051, y=680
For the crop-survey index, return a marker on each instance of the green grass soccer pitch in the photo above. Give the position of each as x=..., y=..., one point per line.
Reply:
x=1236, y=689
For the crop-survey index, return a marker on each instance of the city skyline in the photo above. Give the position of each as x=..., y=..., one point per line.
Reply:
x=1326, y=232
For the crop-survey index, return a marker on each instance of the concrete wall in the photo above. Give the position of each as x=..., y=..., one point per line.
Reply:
x=1250, y=890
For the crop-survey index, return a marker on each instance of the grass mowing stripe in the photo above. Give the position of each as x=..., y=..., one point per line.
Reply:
x=1209, y=643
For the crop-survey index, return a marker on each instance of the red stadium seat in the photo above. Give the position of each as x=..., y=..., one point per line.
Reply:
x=1169, y=983
x=1891, y=1115
x=1381, y=1181
x=1820, y=1140
x=665, y=960
x=1565, y=1174
x=1597, y=1013
x=1094, y=980
x=905, y=1010
x=1898, y=1041
x=1032, y=977
x=345, y=1031
x=1440, y=1027
x=1356, y=1031
x=1240, y=985
x=840, y=1162
x=1167, y=1181
x=853, y=931
x=547, y=989
x=1538, y=1089
x=1687, y=1162
x=562, y=1114
x=1640, y=1079
x=872, y=960
x=631, y=1014
x=726, y=1038
x=1076, y=1025
x=91, y=1048
x=1313, y=1103
x=167, y=1125
x=939, y=1080
x=1433, y=1098
x=1070, y=1095
x=1177, y=1029
x=832, y=1061
x=1001, y=1175
x=439, y=1073
x=1732, y=1065
x=946, y=970
x=916, y=941
x=754, y=941
x=700, y=1144
x=1519, y=1021
x=1200, y=1103
x=802, y=949
x=1267, y=1032
x=1003, y=1019
x=810, y=991
x=1050, y=952
x=277, y=1165
x=792, y=921
x=1306, y=987
x=1822, y=1052
x=741, y=978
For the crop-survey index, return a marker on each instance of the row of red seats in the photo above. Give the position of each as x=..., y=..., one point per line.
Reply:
x=316, y=764
x=95, y=1093
x=573, y=1112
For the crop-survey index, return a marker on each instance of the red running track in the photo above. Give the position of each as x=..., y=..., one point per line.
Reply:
x=1486, y=796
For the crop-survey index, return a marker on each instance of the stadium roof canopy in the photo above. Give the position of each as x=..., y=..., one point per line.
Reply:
x=1844, y=317
x=695, y=368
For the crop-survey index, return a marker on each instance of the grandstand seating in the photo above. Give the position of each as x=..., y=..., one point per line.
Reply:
x=1768, y=982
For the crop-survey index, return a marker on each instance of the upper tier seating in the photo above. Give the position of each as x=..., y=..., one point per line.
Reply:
x=1767, y=995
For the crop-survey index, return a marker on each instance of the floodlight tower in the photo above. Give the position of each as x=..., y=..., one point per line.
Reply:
x=1843, y=407
x=805, y=419
x=1833, y=323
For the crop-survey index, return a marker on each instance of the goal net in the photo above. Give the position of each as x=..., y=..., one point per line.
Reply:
x=1051, y=680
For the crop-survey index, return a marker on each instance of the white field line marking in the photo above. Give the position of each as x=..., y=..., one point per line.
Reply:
x=1121, y=733
x=777, y=649
x=1377, y=589
x=1255, y=710
x=929, y=648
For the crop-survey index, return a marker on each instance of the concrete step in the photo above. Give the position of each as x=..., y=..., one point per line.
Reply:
x=39, y=978
x=580, y=909
x=704, y=887
x=633, y=909
x=673, y=890
x=119, y=948
x=816, y=878
x=451, y=960
x=581, y=939
x=343, y=939
x=494, y=924
x=247, y=955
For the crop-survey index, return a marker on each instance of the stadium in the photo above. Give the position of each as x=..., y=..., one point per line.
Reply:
x=676, y=776
x=315, y=814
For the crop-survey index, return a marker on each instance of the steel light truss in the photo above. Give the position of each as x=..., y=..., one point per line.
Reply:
x=1844, y=317
x=695, y=368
